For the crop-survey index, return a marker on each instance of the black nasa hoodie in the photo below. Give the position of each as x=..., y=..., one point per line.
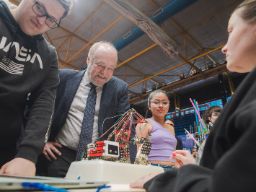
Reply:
x=28, y=69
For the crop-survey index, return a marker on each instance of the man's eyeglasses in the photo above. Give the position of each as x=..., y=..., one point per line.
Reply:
x=103, y=67
x=40, y=11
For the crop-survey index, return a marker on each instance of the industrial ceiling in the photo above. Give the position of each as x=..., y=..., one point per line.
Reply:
x=162, y=43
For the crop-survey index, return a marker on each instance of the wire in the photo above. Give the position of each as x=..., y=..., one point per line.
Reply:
x=110, y=127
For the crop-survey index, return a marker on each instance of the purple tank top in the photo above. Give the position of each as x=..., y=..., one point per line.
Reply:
x=163, y=143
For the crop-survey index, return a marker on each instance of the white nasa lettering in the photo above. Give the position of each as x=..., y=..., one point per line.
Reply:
x=18, y=50
x=22, y=54
x=2, y=44
x=38, y=58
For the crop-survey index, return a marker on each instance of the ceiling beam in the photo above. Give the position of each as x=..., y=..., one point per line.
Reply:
x=191, y=39
x=74, y=56
x=82, y=23
x=176, y=66
x=199, y=76
x=136, y=55
x=155, y=33
x=186, y=34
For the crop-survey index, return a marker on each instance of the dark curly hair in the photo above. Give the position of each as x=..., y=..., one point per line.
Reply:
x=208, y=113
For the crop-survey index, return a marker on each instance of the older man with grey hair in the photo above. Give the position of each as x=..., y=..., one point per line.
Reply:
x=29, y=77
x=87, y=102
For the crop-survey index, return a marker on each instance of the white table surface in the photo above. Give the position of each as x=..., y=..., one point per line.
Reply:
x=114, y=187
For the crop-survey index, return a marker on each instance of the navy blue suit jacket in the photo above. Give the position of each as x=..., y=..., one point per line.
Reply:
x=114, y=100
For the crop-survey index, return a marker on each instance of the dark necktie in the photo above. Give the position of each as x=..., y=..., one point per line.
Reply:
x=87, y=125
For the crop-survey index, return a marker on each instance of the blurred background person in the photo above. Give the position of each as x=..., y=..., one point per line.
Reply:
x=211, y=115
x=184, y=157
x=170, y=121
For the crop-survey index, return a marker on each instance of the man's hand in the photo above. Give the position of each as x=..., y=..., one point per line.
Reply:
x=19, y=167
x=51, y=151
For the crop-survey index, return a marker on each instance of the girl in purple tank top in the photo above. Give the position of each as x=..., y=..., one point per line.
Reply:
x=160, y=134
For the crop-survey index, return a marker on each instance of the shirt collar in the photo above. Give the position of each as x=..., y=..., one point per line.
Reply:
x=87, y=82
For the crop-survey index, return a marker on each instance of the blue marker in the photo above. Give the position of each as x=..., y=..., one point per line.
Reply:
x=42, y=187
x=102, y=187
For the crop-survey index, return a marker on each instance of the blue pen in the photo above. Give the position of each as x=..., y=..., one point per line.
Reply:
x=42, y=187
x=102, y=187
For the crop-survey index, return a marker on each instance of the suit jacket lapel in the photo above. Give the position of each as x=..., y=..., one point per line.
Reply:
x=71, y=89
x=104, y=100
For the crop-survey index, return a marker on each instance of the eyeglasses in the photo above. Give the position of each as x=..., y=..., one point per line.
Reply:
x=40, y=11
x=164, y=103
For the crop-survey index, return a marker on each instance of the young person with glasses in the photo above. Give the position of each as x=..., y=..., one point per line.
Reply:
x=40, y=11
x=28, y=81
x=159, y=134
